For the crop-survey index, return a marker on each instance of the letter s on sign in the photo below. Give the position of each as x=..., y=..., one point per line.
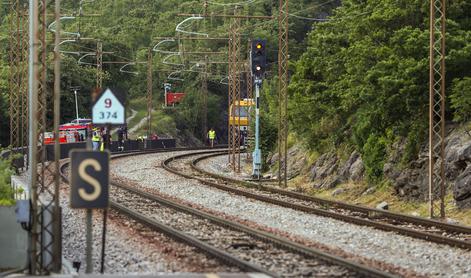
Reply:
x=89, y=179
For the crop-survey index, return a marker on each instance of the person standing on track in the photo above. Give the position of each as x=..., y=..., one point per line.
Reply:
x=211, y=137
x=96, y=138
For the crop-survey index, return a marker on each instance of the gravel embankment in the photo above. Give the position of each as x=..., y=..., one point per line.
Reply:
x=131, y=248
x=422, y=257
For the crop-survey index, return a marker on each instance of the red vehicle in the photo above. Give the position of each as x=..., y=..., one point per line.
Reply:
x=64, y=137
x=77, y=131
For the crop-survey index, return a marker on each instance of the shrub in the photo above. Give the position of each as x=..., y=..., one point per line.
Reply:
x=373, y=154
x=461, y=99
x=6, y=192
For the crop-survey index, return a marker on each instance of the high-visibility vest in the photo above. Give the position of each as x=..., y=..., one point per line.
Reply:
x=212, y=134
x=96, y=137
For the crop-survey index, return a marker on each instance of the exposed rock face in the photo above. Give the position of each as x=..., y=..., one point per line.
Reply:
x=462, y=188
x=328, y=171
x=458, y=167
x=409, y=181
x=296, y=162
x=353, y=169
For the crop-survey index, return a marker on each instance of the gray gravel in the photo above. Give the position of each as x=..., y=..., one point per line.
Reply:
x=239, y=244
x=124, y=254
x=422, y=257
x=130, y=247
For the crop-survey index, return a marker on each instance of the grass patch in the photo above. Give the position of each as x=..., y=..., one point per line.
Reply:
x=384, y=192
x=137, y=118
x=162, y=124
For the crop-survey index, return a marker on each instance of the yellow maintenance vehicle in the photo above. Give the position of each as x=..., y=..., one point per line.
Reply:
x=239, y=113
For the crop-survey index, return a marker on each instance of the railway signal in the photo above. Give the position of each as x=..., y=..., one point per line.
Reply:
x=258, y=58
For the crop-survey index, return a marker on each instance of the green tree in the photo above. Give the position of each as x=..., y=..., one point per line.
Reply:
x=365, y=74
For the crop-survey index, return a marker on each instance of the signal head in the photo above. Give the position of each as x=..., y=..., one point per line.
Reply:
x=258, y=57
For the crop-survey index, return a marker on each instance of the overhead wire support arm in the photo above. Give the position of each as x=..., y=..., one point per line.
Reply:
x=122, y=69
x=192, y=38
x=156, y=47
x=180, y=25
x=229, y=16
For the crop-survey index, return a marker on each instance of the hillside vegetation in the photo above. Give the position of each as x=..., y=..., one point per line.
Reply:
x=128, y=28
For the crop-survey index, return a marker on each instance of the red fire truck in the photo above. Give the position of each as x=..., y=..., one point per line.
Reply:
x=76, y=131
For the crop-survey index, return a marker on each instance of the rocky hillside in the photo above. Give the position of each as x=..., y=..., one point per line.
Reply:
x=409, y=181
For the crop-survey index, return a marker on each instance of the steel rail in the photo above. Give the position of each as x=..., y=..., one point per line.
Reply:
x=324, y=212
x=264, y=236
x=228, y=258
x=189, y=240
x=450, y=227
x=169, y=231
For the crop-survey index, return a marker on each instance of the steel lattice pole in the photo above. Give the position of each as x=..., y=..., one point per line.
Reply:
x=99, y=65
x=283, y=92
x=204, y=89
x=149, y=92
x=23, y=49
x=18, y=83
x=230, y=97
x=234, y=93
x=237, y=88
x=14, y=77
x=437, y=185
x=45, y=231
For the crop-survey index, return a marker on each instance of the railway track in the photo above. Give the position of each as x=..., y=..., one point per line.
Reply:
x=186, y=165
x=180, y=236
x=236, y=244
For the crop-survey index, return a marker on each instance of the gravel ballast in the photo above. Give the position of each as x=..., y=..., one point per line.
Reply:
x=131, y=248
x=417, y=255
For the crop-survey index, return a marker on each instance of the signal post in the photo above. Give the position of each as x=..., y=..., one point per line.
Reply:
x=258, y=58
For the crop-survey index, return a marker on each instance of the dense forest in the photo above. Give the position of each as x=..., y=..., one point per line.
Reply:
x=358, y=68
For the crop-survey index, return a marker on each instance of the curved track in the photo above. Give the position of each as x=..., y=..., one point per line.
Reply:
x=169, y=231
x=422, y=228
x=312, y=260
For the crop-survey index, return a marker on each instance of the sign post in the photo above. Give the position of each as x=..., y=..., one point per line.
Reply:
x=108, y=109
x=89, y=188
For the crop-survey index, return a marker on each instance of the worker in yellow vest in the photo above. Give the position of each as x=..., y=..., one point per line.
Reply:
x=211, y=137
x=96, y=138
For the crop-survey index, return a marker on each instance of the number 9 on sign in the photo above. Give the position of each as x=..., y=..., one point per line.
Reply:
x=108, y=103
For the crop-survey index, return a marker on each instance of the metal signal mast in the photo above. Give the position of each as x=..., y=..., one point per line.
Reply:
x=437, y=185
